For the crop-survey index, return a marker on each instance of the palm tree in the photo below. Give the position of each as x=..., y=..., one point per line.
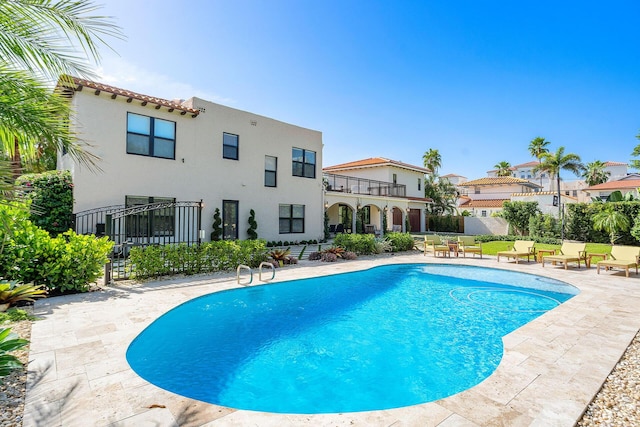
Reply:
x=595, y=173
x=554, y=163
x=432, y=160
x=37, y=40
x=537, y=147
x=503, y=168
x=611, y=221
x=635, y=163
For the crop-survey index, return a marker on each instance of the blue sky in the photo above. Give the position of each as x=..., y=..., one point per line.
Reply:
x=477, y=80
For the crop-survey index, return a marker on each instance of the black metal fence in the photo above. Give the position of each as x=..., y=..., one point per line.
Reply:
x=142, y=225
x=349, y=184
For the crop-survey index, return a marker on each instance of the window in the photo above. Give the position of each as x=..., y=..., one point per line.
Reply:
x=149, y=136
x=419, y=183
x=159, y=221
x=304, y=163
x=229, y=219
x=230, y=147
x=574, y=193
x=270, y=171
x=483, y=213
x=395, y=178
x=291, y=219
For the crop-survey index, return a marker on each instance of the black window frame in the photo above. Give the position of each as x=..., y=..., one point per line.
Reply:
x=302, y=168
x=273, y=174
x=235, y=147
x=151, y=137
x=290, y=220
x=152, y=223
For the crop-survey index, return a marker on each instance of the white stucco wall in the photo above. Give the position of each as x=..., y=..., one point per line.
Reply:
x=198, y=170
x=474, y=226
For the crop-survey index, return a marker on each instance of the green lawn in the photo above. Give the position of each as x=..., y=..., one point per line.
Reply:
x=492, y=248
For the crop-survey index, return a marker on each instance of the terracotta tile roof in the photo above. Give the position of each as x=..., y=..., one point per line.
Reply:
x=531, y=164
x=616, y=185
x=487, y=203
x=500, y=180
x=451, y=175
x=79, y=84
x=420, y=199
x=543, y=193
x=614, y=164
x=375, y=161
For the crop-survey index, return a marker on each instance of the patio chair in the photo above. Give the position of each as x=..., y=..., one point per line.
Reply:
x=520, y=249
x=434, y=244
x=339, y=228
x=468, y=244
x=622, y=257
x=569, y=252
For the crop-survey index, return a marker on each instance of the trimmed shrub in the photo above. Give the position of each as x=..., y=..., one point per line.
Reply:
x=328, y=257
x=209, y=257
x=51, y=196
x=349, y=256
x=400, y=241
x=66, y=263
x=253, y=226
x=315, y=256
x=361, y=244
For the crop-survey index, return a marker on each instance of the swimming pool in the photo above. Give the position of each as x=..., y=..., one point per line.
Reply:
x=387, y=337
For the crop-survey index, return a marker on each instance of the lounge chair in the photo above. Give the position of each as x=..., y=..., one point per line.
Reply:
x=622, y=257
x=339, y=228
x=468, y=244
x=569, y=252
x=520, y=249
x=435, y=245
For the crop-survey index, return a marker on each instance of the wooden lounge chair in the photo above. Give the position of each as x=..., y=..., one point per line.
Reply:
x=520, y=249
x=435, y=245
x=468, y=244
x=569, y=252
x=622, y=257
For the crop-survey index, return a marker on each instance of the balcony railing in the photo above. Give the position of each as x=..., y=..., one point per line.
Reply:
x=349, y=184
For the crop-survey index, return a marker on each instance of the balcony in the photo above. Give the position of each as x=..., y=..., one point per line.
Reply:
x=349, y=184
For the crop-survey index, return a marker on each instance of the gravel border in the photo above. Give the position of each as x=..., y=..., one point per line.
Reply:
x=13, y=388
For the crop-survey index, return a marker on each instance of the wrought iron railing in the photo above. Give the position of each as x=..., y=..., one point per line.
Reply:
x=349, y=184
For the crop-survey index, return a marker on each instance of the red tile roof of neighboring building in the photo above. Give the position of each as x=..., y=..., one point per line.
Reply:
x=533, y=163
x=616, y=185
x=375, y=161
x=499, y=180
x=420, y=199
x=79, y=84
x=452, y=175
x=486, y=203
x=614, y=164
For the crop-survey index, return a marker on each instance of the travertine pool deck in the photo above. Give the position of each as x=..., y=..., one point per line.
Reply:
x=551, y=369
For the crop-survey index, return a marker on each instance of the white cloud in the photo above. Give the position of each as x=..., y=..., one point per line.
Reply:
x=118, y=72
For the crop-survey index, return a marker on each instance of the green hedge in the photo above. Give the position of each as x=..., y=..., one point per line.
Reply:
x=400, y=241
x=66, y=263
x=51, y=195
x=579, y=224
x=209, y=257
x=361, y=244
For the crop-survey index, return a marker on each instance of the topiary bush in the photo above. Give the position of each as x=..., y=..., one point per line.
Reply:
x=217, y=226
x=253, y=226
x=51, y=196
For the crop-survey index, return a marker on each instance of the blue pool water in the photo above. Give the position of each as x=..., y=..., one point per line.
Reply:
x=382, y=338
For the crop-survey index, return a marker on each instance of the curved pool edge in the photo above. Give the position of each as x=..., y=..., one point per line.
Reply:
x=568, y=352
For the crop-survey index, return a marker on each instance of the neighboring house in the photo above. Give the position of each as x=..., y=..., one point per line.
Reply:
x=454, y=179
x=166, y=165
x=483, y=197
x=376, y=187
x=628, y=184
x=526, y=171
x=545, y=200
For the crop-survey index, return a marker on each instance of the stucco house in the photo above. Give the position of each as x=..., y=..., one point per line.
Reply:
x=628, y=184
x=184, y=159
x=483, y=197
x=377, y=188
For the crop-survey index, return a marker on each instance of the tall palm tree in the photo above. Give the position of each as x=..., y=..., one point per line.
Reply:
x=503, y=168
x=432, y=160
x=537, y=147
x=635, y=163
x=39, y=41
x=554, y=163
x=595, y=173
